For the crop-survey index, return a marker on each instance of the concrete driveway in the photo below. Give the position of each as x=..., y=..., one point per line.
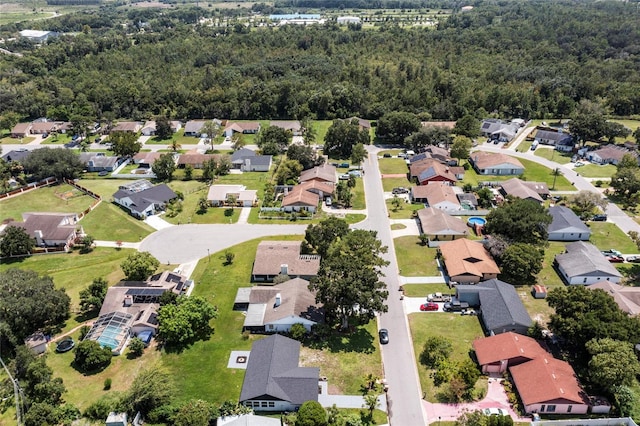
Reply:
x=412, y=305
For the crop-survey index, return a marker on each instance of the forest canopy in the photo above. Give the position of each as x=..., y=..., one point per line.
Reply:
x=515, y=59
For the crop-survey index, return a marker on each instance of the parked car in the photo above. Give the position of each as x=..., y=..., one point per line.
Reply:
x=98, y=140
x=579, y=164
x=430, y=306
x=328, y=201
x=599, y=218
x=438, y=297
x=383, y=335
x=611, y=252
x=355, y=173
x=386, y=155
x=495, y=412
x=455, y=306
x=402, y=155
x=633, y=259
x=343, y=165
x=400, y=190
x=344, y=176
x=615, y=259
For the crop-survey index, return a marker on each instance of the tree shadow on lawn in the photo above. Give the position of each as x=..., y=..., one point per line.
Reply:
x=351, y=340
x=202, y=335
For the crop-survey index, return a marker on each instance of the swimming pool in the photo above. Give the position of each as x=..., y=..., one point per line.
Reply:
x=475, y=220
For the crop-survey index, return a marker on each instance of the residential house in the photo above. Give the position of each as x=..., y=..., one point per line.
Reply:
x=244, y=127
x=292, y=126
x=299, y=199
x=438, y=226
x=545, y=384
x=626, y=297
x=438, y=195
x=98, y=162
x=37, y=342
x=127, y=126
x=248, y=161
x=323, y=173
x=143, y=202
x=195, y=159
x=467, y=261
x=275, y=258
x=584, y=264
x=493, y=128
x=468, y=200
x=486, y=163
x=21, y=130
x=42, y=127
x=247, y=420
x=566, y=226
x=362, y=123
x=430, y=170
x=440, y=154
x=149, y=128
x=609, y=154
x=273, y=380
x=221, y=195
x=17, y=156
x=50, y=229
x=146, y=159
x=534, y=191
x=558, y=138
x=194, y=127
x=274, y=309
x=501, y=309
x=495, y=354
x=549, y=386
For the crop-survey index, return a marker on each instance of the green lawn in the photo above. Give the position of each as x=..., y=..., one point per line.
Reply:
x=389, y=183
x=553, y=155
x=111, y=223
x=596, y=171
x=459, y=330
x=15, y=141
x=177, y=136
x=321, y=127
x=56, y=198
x=58, y=138
x=524, y=146
x=534, y=172
x=415, y=260
x=423, y=290
x=358, y=202
x=607, y=235
x=392, y=166
x=104, y=187
x=405, y=211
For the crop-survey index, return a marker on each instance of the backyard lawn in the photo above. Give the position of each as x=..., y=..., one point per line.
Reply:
x=423, y=290
x=56, y=198
x=405, y=211
x=389, y=183
x=597, y=171
x=534, y=172
x=414, y=259
x=459, y=330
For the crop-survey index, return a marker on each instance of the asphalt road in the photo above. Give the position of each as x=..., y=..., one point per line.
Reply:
x=185, y=243
x=403, y=398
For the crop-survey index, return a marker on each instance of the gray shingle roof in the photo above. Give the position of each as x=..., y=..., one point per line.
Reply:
x=585, y=259
x=502, y=306
x=273, y=372
x=565, y=218
x=160, y=194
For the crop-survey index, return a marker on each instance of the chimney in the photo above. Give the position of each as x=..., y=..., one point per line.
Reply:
x=278, y=300
x=39, y=239
x=284, y=269
x=128, y=300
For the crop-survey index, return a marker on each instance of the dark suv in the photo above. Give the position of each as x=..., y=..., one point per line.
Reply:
x=455, y=306
x=600, y=218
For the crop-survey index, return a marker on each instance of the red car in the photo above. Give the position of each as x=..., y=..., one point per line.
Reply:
x=615, y=259
x=429, y=306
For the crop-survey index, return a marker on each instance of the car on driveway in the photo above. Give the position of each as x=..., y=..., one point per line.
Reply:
x=455, y=306
x=399, y=190
x=429, y=306
x=344, y=176
x=438, y=297
x=633, y=259
x=495, y=412
x=611, y=252
x=383, y=335
x=614, y=259
x=579, y=164
x=599, y=218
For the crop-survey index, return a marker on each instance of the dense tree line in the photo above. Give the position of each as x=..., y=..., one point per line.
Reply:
x=514, y=59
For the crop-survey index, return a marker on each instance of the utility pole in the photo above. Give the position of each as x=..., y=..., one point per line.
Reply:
x=16, y=392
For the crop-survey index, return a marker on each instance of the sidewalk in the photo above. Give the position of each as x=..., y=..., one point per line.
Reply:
x=157, y=223
x=421, y=280
x=244, y=215
x=114, y=244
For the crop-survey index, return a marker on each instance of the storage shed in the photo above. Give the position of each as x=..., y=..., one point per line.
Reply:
x=539, y=291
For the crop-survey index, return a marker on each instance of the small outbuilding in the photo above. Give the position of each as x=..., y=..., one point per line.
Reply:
x=539, y=291
x=116, y=419
x=37, y=342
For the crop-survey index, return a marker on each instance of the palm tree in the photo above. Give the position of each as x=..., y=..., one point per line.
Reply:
x=175, y=145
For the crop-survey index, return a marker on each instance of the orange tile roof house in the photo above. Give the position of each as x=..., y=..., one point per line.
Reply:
x=468, y=261
x=275, y=308
x=324, y=173
x=545, y=384
x=534, y=191
x=431, y=170
x=486, y=163
x=283, y=257
x=437, y=195
x=300, y=199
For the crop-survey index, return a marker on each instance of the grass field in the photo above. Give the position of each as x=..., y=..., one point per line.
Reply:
x=111, y=223
x=606, y=235
x=177, y=136
x=597, y=171
x=15, y=141
x=392, y=166
x=415, y=260
x=553, y=155
x=389, y=183
x=405, y=211
x=56, y=198
x=321, y=127
x=423, y=290
x=459, y=330
x=534, y=172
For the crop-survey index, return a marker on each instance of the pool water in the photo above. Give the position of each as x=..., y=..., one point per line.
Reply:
x=476, y=221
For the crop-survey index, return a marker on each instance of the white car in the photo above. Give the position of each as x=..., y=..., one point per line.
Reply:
x=495, y=412
x=579, y=164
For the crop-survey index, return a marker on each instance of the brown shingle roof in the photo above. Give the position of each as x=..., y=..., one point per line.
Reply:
x=299, y=196
x=54, y=226
x=270, y=255
x=325, y=172
x=437, y=222
x=314, y=186
x=467, y=257
x=520, y=189
x=435, y=193
x=627, y=298
x=487, y=160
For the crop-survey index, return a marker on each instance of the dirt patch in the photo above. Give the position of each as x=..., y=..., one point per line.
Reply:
x=316, y=358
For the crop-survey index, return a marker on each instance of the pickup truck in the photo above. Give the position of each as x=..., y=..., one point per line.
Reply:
x=455, y=306
x=438, y=297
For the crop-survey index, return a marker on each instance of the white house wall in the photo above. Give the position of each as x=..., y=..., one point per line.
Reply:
x=284, y=324
x=559, y=408
x=569, y=236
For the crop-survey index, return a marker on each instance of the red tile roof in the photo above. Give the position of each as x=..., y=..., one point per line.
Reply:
x=506, y=346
